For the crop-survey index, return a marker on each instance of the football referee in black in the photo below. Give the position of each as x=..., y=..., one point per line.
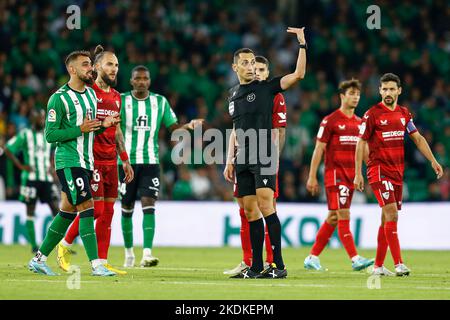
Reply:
x=256, y=161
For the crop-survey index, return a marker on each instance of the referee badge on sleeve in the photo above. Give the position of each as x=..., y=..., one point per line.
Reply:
x=231, y=108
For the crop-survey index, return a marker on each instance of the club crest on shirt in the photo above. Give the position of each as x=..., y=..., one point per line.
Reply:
x=94, y=187
x=402, y=120
x=251, y=97
x=385, y=195
x=342, y=200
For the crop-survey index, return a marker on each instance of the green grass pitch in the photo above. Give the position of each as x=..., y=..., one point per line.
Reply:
x=196, y=273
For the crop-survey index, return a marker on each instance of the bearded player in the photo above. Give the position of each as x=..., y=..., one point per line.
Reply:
x=107, y=146
x=383, y=129
x=278, y=122
x=336, y=139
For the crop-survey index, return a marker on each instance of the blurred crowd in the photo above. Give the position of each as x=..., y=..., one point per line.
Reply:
x=188, y=47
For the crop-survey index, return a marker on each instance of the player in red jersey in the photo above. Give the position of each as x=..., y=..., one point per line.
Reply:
x=383, y=129
x=279, y=122
x=337, y=137
x=107, y=146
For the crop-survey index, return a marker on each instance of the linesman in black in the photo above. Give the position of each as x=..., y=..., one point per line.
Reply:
x=255, y=163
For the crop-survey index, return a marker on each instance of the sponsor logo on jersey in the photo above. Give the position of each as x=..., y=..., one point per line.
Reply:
x=348, y=139
x=51, y=117
x=385, y=195
x=383, y=122
x=142, y=123
x=251, y=97
x=231, y=108
x=392, y=134
x=105, y=112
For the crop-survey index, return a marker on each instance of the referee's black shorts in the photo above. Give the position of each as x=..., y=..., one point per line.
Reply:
x=249, y=178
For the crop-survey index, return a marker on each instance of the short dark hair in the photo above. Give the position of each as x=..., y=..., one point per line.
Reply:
x=75, y=54
x=262, y=59
x=390, y=77
x=140, y=68
x=239, y=51
x=347, y=84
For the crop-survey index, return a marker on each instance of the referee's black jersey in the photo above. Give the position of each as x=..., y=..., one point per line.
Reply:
x=250, y=106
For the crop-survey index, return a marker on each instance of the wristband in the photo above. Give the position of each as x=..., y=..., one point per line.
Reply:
x=123, y=156
x=303, y=45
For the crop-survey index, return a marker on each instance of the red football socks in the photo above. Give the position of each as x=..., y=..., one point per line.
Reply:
x=390, y=230
x=73, y=231
x=103, y=229
x=269, y=251
x=346, y=237
x=381, y=247
x=245, y=238
x=324, y=234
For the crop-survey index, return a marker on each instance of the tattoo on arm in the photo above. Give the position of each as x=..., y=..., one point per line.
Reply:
x=120, y=143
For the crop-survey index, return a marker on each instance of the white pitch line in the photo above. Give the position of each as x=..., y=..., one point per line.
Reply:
x=44, y=280
x=297, y=285
x=233, y=283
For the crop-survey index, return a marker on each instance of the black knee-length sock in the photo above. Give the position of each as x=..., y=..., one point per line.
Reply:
x=257, y=240
x=274, y=229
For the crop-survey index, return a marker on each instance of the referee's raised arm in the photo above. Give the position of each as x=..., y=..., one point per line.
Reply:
x=290, y=79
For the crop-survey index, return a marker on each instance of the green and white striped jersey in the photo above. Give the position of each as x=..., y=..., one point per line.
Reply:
x=141, y=120
x=66, y=111
x=36, y=154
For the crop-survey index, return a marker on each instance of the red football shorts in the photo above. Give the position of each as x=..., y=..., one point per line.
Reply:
x=339, y=197
x=275, y=194
x=105, y=181
x=386, y=192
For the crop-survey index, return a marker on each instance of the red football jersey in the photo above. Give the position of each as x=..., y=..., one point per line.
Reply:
x=384, y=130
x=340, y=133
x=105, y=143
x=279, y=112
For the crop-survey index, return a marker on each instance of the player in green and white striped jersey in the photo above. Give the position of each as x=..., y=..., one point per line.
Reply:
x=142, y=114
x=71, y=123
x=36, y=177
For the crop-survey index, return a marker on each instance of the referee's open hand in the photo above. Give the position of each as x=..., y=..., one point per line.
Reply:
x=228, y=173
x=299, y=32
